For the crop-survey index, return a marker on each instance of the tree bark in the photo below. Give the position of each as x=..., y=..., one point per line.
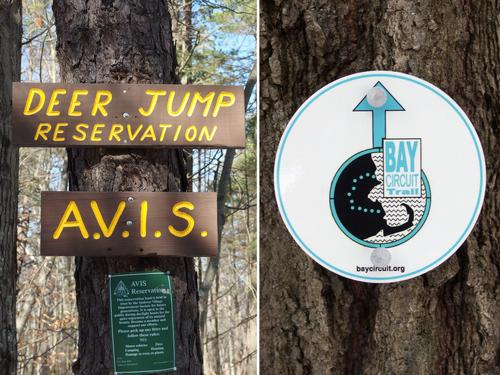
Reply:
x=187, y=41
x=123, y=41
x=10, y=70
x=444, y=322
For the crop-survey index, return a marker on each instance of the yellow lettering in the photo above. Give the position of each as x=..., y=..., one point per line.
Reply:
x=208, y=136
x=191, y=133
x=97, y=132
x=144, y=218
x=181, y=108
x=54, y=101
x=83, y=134
x=42, y=130
x=152, y=104
x=75, y=102
x=116, y=129
x=202, y=99
x=28, y=111
x=131, y=135
x=164, y=128
x=72, y=208
x=176, y=136
x=222, y=103
x=107, y=230
x=58, y=131
x=176, y=210
x=149, y=133
x=102, y=99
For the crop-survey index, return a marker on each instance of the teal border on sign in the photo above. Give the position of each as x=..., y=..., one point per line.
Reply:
x=371, y=244
x=465, y=121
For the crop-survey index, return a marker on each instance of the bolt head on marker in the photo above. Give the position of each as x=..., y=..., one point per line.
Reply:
x=376, y=97
x=380, y=257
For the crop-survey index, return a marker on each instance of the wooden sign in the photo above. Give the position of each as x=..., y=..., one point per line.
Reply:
x=129, y=223
x=124, y=115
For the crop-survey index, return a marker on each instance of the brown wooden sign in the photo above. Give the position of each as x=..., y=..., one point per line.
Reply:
x=124, y=115
x=129, y=223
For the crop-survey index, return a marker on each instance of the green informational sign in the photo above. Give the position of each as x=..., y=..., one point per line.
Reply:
x=142, y=322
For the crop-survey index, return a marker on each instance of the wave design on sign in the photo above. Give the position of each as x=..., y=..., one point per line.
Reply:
x=395, y=212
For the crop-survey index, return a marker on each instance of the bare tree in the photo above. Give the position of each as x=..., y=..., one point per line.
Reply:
x=223, y=185
x=444, y=322
x=10, y=70
x=123, y=41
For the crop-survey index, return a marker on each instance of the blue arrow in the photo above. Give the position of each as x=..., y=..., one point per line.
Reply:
x=378, y=114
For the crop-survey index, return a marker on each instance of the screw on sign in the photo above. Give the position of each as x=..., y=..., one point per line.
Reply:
x=379, y=196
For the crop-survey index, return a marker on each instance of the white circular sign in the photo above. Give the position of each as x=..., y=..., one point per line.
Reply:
x=380, y=176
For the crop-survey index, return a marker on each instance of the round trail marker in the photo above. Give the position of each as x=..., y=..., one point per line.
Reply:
x=380, y=176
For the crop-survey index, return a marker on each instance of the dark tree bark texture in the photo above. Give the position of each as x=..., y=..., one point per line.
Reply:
x=444, y=322
x=123, y=41
x=10, y=71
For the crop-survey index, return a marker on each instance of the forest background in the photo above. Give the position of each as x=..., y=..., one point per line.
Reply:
x=215, y=44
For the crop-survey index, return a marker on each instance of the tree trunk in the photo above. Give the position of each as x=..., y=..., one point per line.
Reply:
x=123, y=41
x=10, y=70
x=222, y=186
x=187, y=41
x=444, y=322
